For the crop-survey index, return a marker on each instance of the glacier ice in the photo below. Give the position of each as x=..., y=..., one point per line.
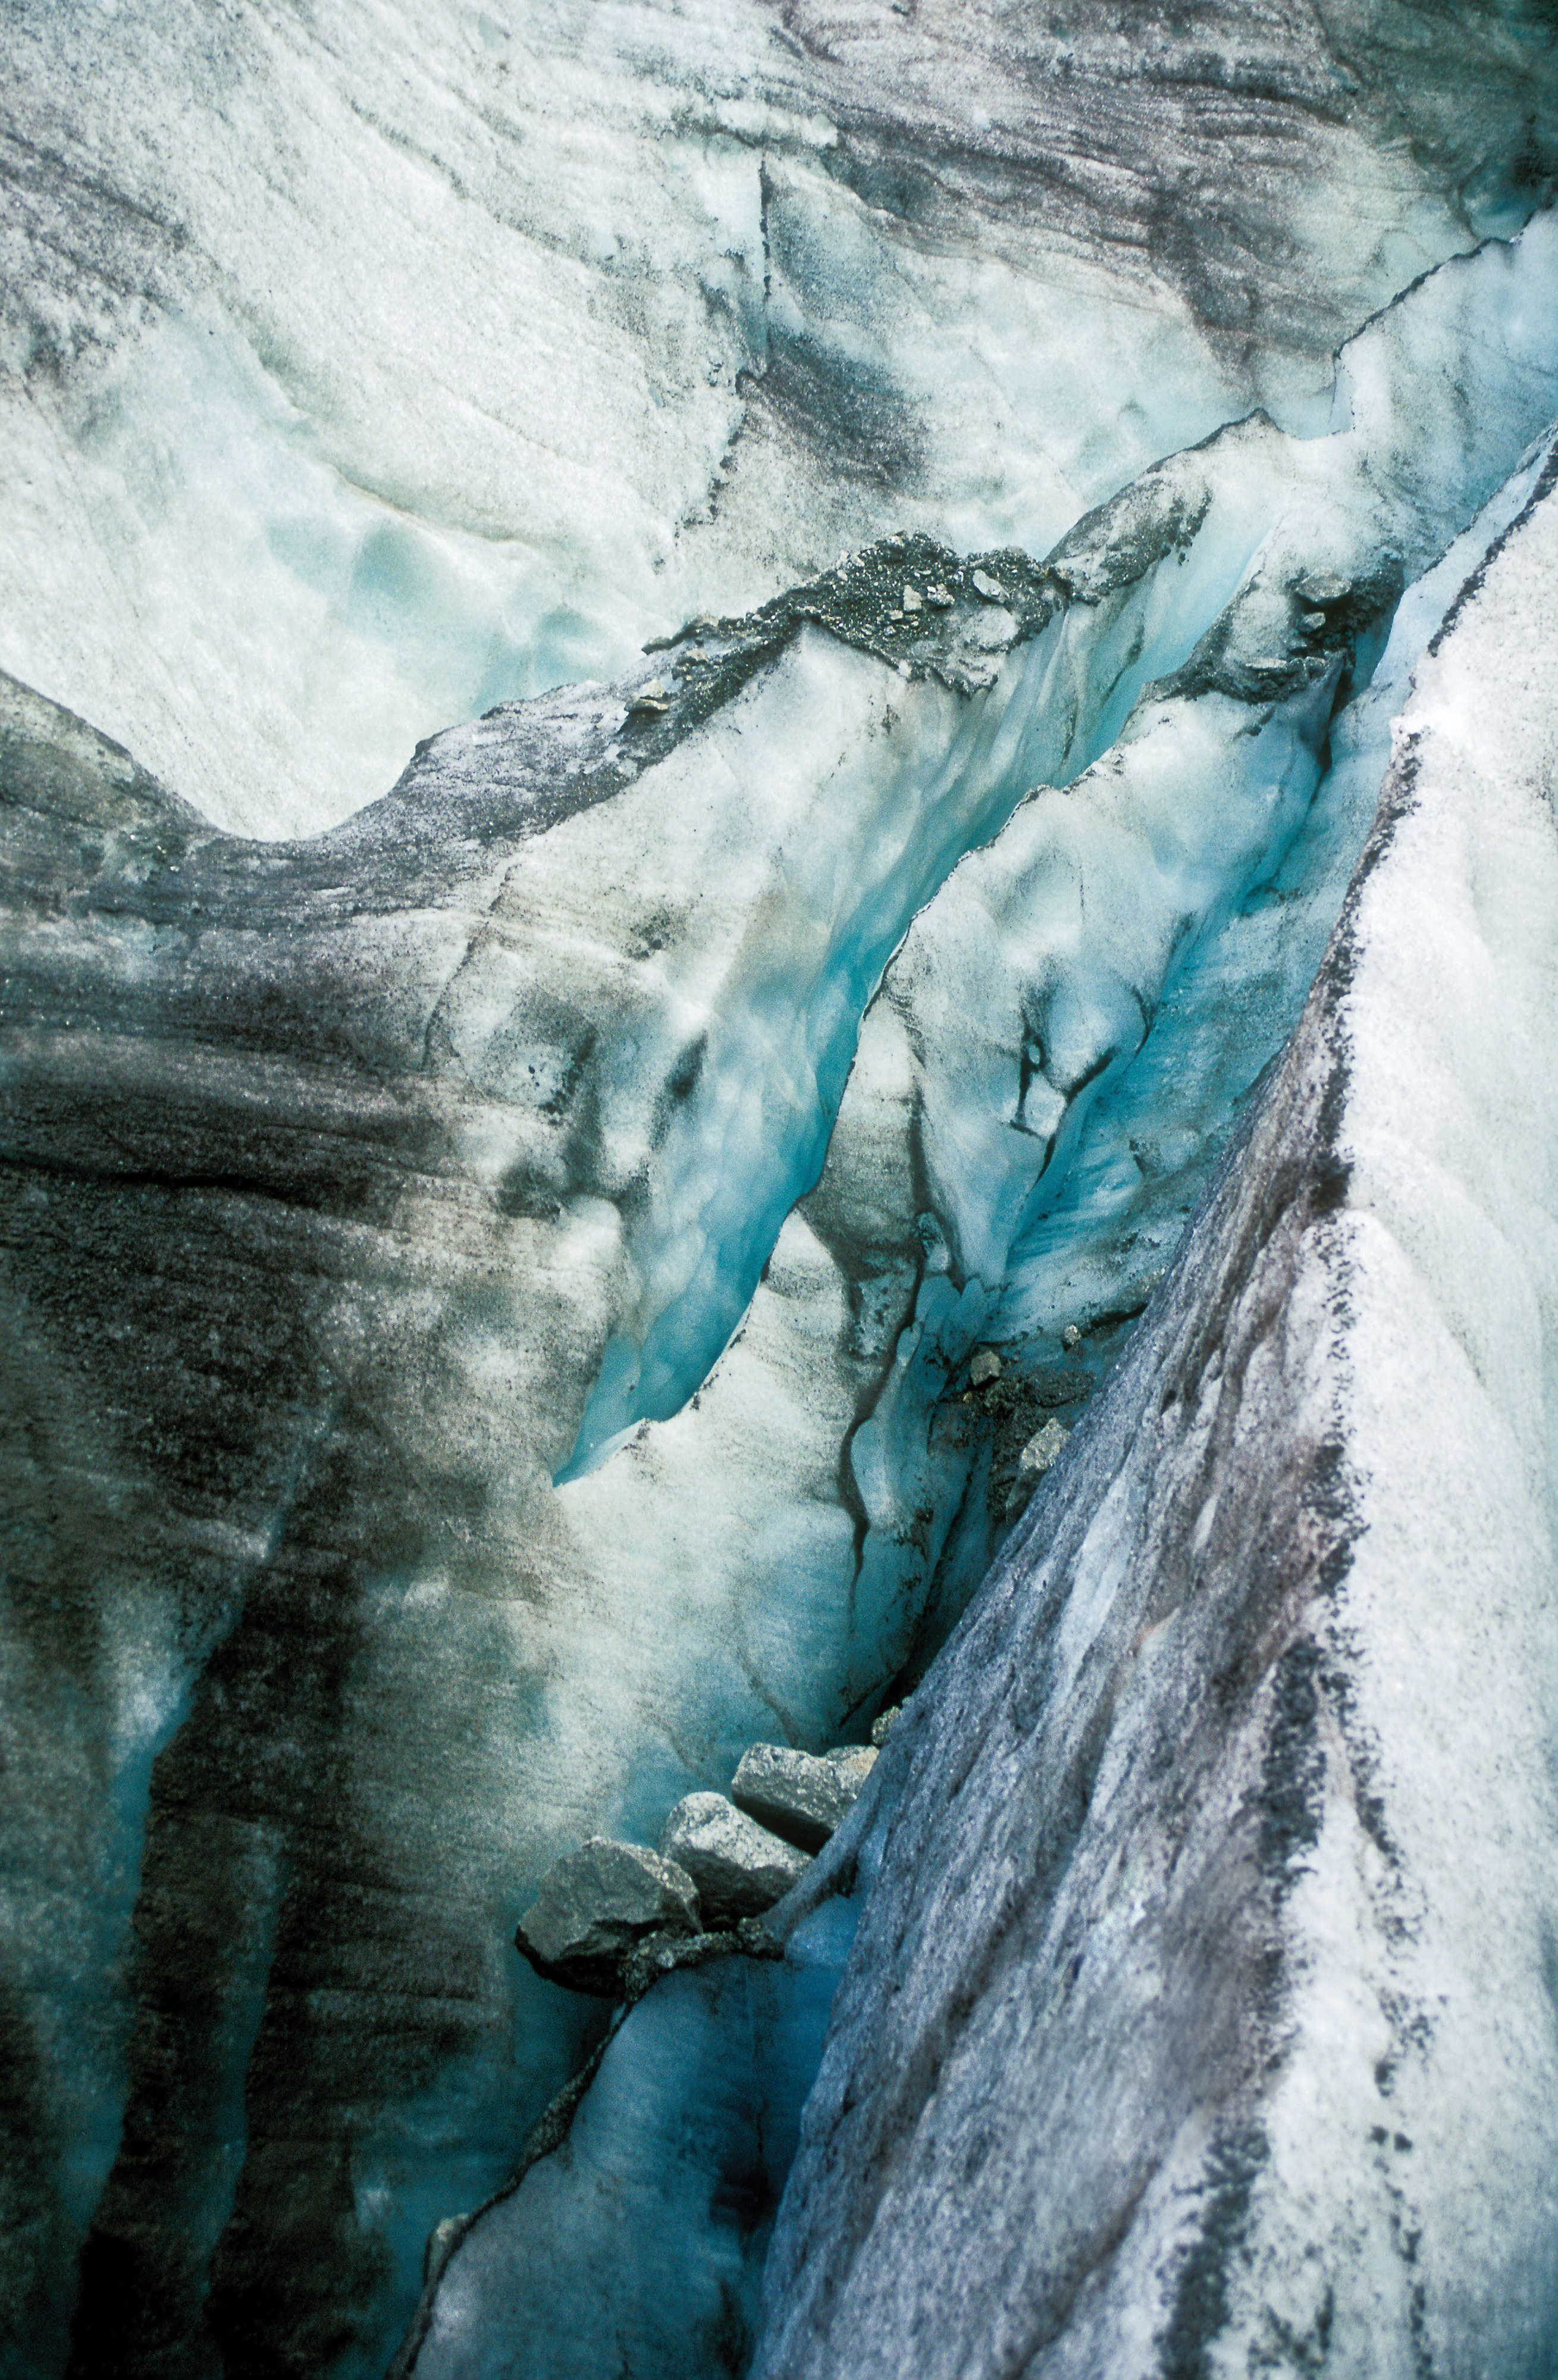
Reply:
x=1200, y=2014
x=492, y=1270
x=642, y=2236
x=361, y=369
x=1261, y=974
x=874, y=1259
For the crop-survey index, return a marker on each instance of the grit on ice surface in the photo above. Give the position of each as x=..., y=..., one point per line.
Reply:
x=363, y=371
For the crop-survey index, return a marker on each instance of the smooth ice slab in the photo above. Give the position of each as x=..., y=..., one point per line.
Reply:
x=642, y=2235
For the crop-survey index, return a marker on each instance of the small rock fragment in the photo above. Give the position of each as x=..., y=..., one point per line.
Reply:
x=990, y=588
x=1070, y=1336
x=1041, y=1448
x=801, y=1796
x=1035, y=1461
x=939, y=597
x=740, y=1867
x=881, y=1727
x=441, y=2238
x=593, y=1907
x=1321, y=586
x=912, y=601
x=986, y=1367
x=650, y=700
x=1312, y=619
x=988, y=632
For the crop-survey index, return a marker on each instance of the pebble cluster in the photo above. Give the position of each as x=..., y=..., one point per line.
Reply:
x=609, y=1916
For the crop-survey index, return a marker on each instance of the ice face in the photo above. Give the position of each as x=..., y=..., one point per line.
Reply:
x=1067, y=1033
x=649, y=2225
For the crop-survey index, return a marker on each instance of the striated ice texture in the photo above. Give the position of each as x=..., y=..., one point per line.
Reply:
x=491, y=1265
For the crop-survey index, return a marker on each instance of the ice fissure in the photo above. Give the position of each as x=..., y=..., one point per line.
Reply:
x=512, y=2256
x=1137, y=593
x=695, y=2303
x=837, y=1138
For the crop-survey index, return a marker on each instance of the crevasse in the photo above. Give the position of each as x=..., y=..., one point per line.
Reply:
x=935, y=1223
